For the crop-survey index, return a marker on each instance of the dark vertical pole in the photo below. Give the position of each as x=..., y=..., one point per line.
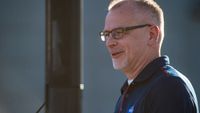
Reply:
x=63, y=67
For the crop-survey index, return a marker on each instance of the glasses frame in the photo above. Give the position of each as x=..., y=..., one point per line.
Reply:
x=121, y=31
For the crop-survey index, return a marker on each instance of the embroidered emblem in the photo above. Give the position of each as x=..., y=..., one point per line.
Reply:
x=131, y=109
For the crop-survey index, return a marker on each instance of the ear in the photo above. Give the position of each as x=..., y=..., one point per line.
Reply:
x=154, y=33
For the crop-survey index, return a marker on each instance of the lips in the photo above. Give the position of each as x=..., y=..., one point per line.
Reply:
x=117, y=54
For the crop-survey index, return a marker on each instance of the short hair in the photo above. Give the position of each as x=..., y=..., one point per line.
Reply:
x=150, y=6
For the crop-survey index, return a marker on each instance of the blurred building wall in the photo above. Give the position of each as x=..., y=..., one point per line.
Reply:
x=181, y=44
x=22, y=53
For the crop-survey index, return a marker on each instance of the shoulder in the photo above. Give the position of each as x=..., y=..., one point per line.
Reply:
x=172, y=81
x=172, y=90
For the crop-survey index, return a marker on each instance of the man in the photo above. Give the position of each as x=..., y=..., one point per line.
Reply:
x=133, y=33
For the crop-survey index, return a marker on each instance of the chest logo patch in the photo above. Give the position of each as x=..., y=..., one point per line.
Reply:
x=131, y=109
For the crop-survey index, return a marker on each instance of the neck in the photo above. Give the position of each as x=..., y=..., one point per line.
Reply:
x=134, y=70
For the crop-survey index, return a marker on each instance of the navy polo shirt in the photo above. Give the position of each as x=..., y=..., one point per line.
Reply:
x=159, y=88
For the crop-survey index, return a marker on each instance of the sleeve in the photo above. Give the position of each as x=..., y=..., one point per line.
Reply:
x=170, y=95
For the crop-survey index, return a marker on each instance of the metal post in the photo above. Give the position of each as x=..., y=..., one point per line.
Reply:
x=63, y=52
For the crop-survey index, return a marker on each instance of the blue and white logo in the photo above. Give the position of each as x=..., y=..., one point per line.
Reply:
x=131, y=109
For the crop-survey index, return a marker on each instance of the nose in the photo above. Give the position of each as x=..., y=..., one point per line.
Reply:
x=110, y=42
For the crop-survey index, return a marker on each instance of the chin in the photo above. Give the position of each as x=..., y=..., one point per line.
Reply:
x=116, y=67
x=119, y=65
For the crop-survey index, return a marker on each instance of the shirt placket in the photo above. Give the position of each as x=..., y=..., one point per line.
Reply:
x=123, y=100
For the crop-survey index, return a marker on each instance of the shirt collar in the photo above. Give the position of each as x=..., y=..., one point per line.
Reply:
x=148, y=71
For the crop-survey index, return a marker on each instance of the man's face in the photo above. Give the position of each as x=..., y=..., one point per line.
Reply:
x=131, y=48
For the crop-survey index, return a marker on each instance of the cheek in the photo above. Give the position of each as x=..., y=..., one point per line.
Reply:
x=131, y=50
x=134, y=49
x=134, y=45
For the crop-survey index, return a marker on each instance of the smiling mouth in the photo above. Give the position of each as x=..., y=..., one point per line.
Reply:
x=117, y=54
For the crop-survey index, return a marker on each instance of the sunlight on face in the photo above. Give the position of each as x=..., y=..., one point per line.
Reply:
x=125, y=52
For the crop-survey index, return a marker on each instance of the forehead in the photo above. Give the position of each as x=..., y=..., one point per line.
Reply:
x=124, y=15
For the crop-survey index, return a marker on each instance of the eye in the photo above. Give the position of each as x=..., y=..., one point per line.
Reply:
x=117, y=33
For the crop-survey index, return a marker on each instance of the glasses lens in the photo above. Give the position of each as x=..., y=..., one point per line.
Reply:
x=117, y=33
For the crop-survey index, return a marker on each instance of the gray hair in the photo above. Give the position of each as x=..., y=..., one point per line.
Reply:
x=149, y=6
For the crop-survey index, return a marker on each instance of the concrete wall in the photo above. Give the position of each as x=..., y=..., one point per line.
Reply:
x=22, y=55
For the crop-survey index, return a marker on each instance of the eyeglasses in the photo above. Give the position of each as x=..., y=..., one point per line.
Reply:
x=118, y=33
